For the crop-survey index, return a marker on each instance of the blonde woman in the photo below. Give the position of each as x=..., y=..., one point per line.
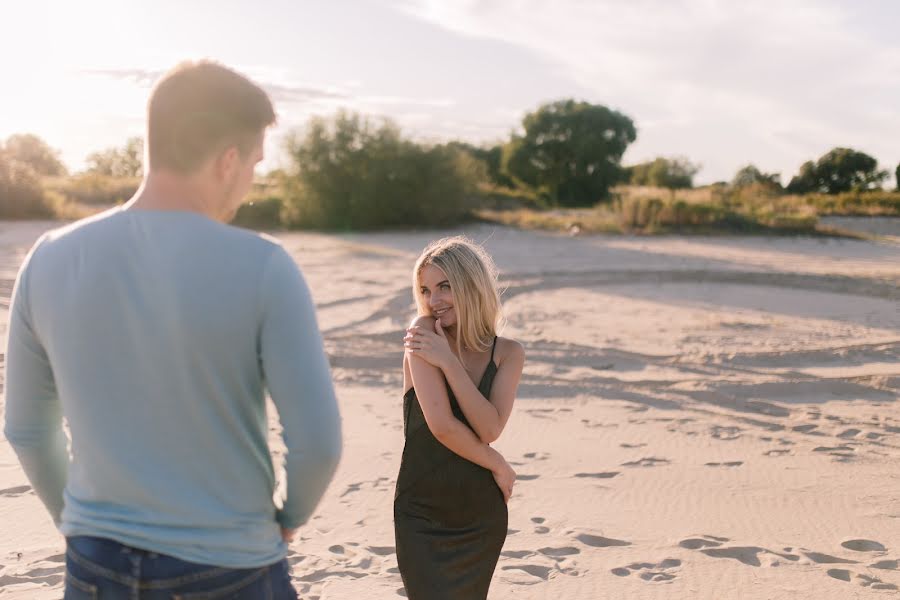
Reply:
x=450, y=517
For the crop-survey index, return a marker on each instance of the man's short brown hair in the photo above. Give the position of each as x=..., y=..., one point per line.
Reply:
x=200, y=108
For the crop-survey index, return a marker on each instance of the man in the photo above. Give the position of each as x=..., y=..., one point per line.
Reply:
x=154, y=329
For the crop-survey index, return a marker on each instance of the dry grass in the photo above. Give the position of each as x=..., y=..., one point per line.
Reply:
x=711, y=209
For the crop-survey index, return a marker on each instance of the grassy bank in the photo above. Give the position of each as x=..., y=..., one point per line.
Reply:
x=707, y=210
x=716, y=209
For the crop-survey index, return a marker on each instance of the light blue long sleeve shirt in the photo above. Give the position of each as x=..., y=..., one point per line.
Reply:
x=156, y=335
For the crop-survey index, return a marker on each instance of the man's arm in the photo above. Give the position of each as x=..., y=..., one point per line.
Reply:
x=33, y=413
x=298, y=378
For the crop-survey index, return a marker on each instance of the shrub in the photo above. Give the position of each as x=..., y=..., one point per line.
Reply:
x=95, y=189
x=21, y=194
x=348, y=174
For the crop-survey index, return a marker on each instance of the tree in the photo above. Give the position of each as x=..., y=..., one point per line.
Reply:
x=127, y=161
x=750, y=175
x=839, y=170
x=21, y=194
x=672, y=173
x=29, y=149
x=347, y=173
x=897, y=176
x=805, y=181
x=571, y=151
x=492, y=156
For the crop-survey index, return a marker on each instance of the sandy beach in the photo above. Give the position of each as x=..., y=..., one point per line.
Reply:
x=699, y=418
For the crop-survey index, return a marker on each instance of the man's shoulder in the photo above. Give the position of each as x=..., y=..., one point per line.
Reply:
x=77, y=227
x=248, y=238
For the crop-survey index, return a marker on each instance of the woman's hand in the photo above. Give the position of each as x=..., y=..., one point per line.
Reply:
x=505, y=477
x=430, y=346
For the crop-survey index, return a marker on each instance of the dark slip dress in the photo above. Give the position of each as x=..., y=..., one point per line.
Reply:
x=450, y=519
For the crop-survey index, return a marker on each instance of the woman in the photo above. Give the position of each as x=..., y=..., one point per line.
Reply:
x=450, y=517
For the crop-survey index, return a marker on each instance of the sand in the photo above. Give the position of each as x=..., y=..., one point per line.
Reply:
x=704, y=417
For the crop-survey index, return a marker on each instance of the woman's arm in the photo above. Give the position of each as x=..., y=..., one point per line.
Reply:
x=431, y=392
x=488, y=417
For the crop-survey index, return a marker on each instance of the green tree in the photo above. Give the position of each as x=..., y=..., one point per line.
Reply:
x=672, y=173
x=21, y=194
x=805, y=181
x=750, y=175
x=347, y=173
x=839, y=170
x=571, y=151
x=31, y=150
x=127, y=161
x=492, y=156
x=897, y=176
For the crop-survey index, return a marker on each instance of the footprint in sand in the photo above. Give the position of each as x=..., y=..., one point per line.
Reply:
x=322, y=574
x=540, y=527
x=50, y=576
x=661, y=572
x=753, y=556
x=887, y=565
x=598, y=424
x=777, y=452
x=650, y=461
x=542, y=413
x=849, y=433
x=598, y=541
x=842, y=453
x=539, y=571
x=864, y=546
x=735, y=463
x=536, y=455
x=341, y=551
x=15, y=492
x=826, y=559
x=380, y=483
x=809, y=428
x=559, y=552
x=750, y=555
x=720, y=432
x=531, y=456
x=353, y=487
x=517, y=554
x=863, y=580
x=294, y=558
x=630, y=446
x=706, y=541
x=520, y=477
x=608, y=475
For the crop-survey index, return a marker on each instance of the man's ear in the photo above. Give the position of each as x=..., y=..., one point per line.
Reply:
x=227, y=163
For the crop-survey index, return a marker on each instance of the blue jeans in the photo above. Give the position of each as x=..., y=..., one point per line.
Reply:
x=98, y=568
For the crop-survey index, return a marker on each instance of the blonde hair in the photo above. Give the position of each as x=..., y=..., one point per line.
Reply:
x=473, y=283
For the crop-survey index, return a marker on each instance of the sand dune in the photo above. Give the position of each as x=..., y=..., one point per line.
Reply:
x=698, y=418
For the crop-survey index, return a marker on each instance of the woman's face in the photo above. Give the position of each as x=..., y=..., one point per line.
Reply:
x=435, y=289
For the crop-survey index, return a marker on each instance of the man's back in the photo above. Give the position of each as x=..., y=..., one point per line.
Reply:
x=156, y=329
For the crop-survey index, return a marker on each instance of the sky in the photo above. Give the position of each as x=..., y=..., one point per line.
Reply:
x=723, y=83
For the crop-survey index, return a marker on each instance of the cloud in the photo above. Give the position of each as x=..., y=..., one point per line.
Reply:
x=299, y=93
x=724, y=81
x=139, y=77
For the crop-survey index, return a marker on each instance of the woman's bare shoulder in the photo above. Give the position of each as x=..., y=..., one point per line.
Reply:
x=509, y=349
x=423, y=321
